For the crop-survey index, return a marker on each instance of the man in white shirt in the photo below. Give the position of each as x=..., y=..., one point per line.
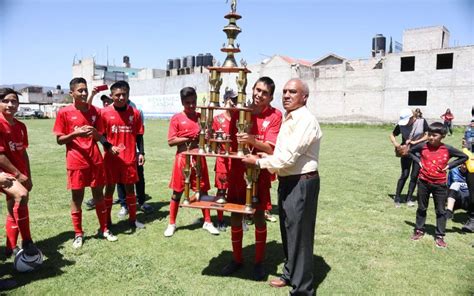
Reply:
x=296, y=161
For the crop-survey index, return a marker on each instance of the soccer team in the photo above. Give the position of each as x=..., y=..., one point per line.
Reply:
x=119, y=128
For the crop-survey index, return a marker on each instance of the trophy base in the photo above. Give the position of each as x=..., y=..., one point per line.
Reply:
x=210, y=202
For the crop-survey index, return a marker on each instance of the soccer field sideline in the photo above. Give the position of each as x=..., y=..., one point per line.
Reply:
x=362, y=243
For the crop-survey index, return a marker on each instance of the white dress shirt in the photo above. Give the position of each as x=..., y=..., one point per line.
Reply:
x=297, y=146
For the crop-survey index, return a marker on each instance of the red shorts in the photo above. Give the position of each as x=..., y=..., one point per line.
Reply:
x=119, y=172
x=90, y=177
x=237, y=188
x=221, y=181
x=177, y=176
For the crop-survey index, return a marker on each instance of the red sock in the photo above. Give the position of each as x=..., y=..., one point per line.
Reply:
x=76, y=218
x=108, y=206
x=206, y=213
x=101, y=212
x=237, y=236
x=20, y=212
x=132, y=207
x=174, y=206
x=260, y=243
x=12, y=232
x=220, y=216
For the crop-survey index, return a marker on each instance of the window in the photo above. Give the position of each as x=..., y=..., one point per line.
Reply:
x=417, y=98
x=407, y=64
x=444, y=61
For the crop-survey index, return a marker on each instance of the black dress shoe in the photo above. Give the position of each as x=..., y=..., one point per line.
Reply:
x=7, y=285
x=231, y=268
x=259, y=273
x=278, y=283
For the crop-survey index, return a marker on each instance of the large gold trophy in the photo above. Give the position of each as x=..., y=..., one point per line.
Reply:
x=215, y=143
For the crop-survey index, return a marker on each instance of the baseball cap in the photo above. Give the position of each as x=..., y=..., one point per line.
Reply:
x=229, y=94
x=405, y=116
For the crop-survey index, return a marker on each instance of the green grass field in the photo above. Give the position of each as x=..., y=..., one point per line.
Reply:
x=362, y=243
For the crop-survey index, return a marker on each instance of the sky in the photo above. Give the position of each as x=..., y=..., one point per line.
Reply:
x=40, y=39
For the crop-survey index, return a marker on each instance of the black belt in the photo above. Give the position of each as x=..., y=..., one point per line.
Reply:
x=305, y=176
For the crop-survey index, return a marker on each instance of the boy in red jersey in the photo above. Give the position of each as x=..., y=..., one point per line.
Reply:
x=183, y=130
x=221, y=123
x=432, y=179
x=124, y=130
x=266, y=122
x=15, y=162
x=78, y=127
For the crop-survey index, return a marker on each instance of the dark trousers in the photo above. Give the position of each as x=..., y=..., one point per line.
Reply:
x=439, y=192
x=139, y=188
x=406, y=163
x=470, y=185
x=297, y=204
x=449, y=127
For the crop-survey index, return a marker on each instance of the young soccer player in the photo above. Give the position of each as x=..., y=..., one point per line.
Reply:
x=124, y=130
x=78, y=126
x=14, y=161
x=266, y=125
x=221, y=122
x=434, y=157
x=183, y=131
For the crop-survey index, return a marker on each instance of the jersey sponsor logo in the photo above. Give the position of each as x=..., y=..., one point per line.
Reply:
x=18, y=146
x=121, y=129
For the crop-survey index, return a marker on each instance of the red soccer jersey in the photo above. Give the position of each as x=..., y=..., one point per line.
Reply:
x=433, y=161
x=81, y=152
x=266, y=125
x=122, y=128
x=13, y=143
x=182, y=125
x=220, y=122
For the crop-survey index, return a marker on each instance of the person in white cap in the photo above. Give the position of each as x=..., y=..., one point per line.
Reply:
x=413, y=131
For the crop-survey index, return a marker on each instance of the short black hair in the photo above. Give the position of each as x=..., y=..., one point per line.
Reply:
x=437, y=128
x=268, y=82
x=122, y=84
x=187, y=92
x=75, y=81
x=7, y=91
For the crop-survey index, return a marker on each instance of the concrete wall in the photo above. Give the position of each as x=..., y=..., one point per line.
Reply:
x=425, y=38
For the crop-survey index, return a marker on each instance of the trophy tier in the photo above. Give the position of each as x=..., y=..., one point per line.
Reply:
x=226, y=108
x=230, y=49
x=195, y=152
x=229, y=69
x=233, y=15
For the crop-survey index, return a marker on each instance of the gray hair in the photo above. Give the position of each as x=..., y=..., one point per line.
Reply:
x=304, y=85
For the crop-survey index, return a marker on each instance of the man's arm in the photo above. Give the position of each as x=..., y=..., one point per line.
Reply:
x=141, y=150
x=392, y=137
x=79, y=132
x=459, y=155
x=414, y=150
x=249, y=139
x=6, y=165
x=296, y=145
x=28, y=184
